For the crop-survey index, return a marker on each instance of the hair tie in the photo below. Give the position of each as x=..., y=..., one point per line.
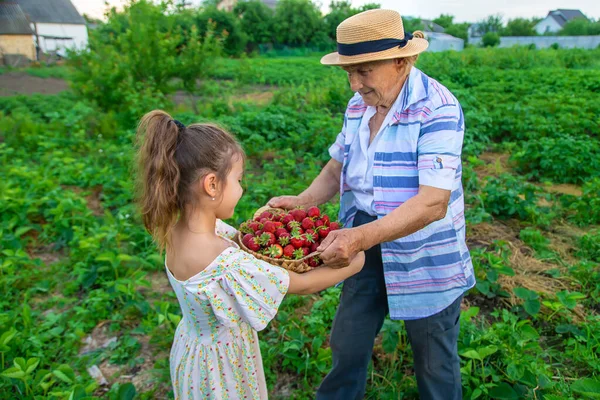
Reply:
x=179, y=125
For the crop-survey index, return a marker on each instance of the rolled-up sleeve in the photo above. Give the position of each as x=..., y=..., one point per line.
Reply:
x=440, y=147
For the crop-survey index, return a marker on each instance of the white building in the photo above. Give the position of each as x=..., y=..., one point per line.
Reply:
x=443, y=42
x=57, y=25
x=555, y=20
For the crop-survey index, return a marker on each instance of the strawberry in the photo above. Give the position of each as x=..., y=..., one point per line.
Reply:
x=297, y=240
x=253, y=244
x=281, y=231
x=312, y=263
x=258, y=233
x=308, y=239
x=319, y=223
x=311, y=231
x=293, y=225
x=255, y=226
x=325, y=219
x=263, y=220
x=313, y=212
x=247, y=237
x=284, y=239
x=307, y=223
x=298, y=214
x=275, y=251
x=269, y=227
x=334, y=226
x=278, y=224
x=266, y=215
x=314, y=247
x=298, y=254
x=245, y=227
x=305, y=251
x=267, y=239
x=324, y=231
x=288, y=251
x=287, y=219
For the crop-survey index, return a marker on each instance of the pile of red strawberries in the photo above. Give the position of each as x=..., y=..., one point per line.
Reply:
x=290, y=236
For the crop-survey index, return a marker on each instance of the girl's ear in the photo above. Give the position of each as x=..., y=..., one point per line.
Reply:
x=210, y=184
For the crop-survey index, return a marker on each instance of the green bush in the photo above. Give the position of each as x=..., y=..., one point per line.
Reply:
x=490, y=39
x=564, y=159
x=133, y=68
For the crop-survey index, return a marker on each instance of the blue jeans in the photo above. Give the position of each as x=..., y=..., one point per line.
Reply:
x=359, y=317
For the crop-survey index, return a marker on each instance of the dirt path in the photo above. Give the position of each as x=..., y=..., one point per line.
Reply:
x=13, y=83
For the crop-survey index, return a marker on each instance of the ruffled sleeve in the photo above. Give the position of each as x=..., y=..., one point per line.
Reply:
x=225, y=230
x=248, y=290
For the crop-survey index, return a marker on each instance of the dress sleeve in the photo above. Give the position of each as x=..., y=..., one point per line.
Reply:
x=225, y=230
x=248, y=290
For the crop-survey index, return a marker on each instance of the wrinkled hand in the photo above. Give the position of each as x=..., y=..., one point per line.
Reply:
x=286, y=202
x=340, y=247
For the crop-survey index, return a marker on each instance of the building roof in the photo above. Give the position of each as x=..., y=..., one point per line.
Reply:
x=51, y=11
x=430, y=26
x=13, y=21
x=563, y=16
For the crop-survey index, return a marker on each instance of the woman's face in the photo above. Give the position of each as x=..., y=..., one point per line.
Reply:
x=377, y=82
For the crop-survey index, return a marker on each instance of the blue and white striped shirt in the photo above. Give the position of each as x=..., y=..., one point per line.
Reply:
x=427, y=270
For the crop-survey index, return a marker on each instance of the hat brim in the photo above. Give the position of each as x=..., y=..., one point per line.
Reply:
x=414, y=47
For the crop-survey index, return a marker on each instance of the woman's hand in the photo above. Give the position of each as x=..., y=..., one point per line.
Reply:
x=288, y=202
x=340, y=247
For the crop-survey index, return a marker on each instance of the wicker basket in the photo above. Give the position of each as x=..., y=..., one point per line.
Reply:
x=299, y=266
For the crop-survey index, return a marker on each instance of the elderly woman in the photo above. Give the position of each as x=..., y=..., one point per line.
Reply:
x=397, y=165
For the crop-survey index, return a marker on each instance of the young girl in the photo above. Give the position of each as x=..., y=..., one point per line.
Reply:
x=189, y=181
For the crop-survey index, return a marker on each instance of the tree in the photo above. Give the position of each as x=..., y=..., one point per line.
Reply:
x=459, y=31
x=297, y=22
x=520, y=27
x=339, y=11
x=130, y=63
x=412, y=24
x=493, y=23
x=444, y=20
x=581, y=27
x=256, y=21
x=490, y=39
x=227, y=28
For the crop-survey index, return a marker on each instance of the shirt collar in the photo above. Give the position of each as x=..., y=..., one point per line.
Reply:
x=413, y=91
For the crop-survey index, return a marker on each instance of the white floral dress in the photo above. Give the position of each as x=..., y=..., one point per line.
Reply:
x=215, y=353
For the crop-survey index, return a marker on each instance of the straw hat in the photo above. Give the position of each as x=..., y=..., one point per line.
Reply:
x=374, y=35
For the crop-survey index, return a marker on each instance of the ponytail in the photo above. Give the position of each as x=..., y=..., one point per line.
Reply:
x=159, y=174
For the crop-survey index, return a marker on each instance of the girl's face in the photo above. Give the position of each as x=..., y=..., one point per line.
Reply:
x=233, y=190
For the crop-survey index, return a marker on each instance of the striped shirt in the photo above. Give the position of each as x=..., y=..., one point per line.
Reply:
x=429, y=269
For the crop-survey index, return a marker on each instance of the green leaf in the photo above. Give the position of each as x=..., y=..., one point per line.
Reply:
x=8, y=336
x=532, y=307
x=62, y=376
x=20, y=363
x=524, y=293
x=473, y=354
x=32, y=364
x=503, y=391
x=22, y=230
x=487, y=351
x=110, y=257
x=14, y=372
x=126, y=391
x=476, y=393
x=587, y=387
